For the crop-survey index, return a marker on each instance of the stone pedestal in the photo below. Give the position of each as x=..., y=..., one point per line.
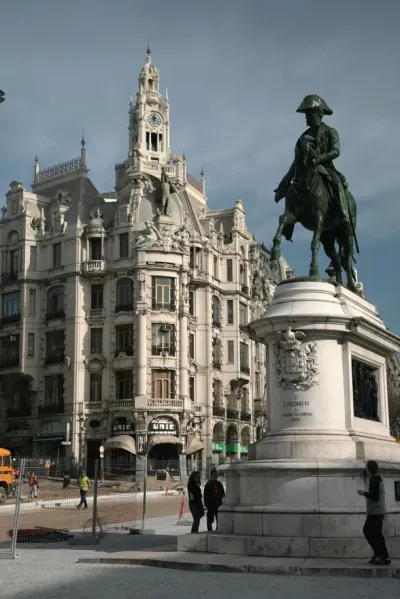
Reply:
x=298, y=497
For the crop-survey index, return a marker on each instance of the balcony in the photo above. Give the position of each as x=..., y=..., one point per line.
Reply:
x=245, y=417
x=9, y=360
x=54, y=314
x=171, y=306
x=51, y=409
x=21, y=412
x=122, y=352
x=95, y=314
x=8, y=278
x=163, y=350
x=219, y=411
x=10, y=318
x=244, y=369
x=232, y=414
x=119, y=404
x=94, y=406
x=198, y=277
x=124, y=307
x=165, y=404
x=216, y=323
x=94, y=267
x=55, y=357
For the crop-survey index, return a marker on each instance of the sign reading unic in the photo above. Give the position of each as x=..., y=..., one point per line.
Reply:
x=163, y=426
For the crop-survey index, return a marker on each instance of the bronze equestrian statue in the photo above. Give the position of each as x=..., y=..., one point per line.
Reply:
x=317, y=195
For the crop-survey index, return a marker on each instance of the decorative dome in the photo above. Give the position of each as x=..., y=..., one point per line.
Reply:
x=96, y=224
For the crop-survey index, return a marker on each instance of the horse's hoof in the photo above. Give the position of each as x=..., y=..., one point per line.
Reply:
x=275, y=254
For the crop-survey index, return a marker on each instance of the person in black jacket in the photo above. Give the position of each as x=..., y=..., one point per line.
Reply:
x=214, y=494
x=195, y=500
x=376, y=511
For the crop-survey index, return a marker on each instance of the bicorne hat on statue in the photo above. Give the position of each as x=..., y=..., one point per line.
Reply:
x=313, y=101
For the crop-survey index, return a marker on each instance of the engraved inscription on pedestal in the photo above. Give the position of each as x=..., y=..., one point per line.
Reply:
x=296, y=362
x=365, y=390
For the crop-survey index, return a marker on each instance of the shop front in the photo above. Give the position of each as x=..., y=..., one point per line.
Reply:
x=120, y=449
x=19, y=440
x=164, y=446
x=48, y=444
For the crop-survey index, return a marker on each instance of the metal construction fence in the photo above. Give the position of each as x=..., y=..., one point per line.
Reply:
x=52, y=510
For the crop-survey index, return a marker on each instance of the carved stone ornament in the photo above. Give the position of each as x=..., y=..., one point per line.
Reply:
x=95, y=364
x=296, y=363
x=166, y=237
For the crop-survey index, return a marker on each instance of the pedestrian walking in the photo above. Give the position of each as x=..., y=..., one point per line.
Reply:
x=214, y=494
x=376, y=511
x=33, y=485
x=195, y=500
x=83, y=483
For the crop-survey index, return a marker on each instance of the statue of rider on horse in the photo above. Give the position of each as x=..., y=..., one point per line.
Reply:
x=317, y=195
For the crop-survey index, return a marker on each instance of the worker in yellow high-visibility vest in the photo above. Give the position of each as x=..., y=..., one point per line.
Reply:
x=83, y=483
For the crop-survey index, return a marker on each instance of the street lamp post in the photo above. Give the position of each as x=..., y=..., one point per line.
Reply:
x=2, y=96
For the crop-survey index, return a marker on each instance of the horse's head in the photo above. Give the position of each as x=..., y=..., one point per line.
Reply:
x=305, y=159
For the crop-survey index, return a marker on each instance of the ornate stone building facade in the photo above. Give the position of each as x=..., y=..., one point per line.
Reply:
x=124, y=314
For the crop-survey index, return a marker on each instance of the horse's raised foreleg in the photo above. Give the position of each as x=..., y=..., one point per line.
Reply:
x=315, y=244
x=328, y=241
x=288, y=218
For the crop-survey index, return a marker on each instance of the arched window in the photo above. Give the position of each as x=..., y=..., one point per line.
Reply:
x=124, y=300
x=55, y=302
x=216, y=311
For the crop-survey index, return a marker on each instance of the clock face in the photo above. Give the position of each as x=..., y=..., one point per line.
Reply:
x=154, y=119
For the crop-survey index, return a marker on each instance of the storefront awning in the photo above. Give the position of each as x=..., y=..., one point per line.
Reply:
x=194, y=444
x=125, y=442
x=161, y=439
x=43, y=438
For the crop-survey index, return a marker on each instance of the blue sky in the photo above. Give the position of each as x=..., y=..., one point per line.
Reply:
x=236, y=70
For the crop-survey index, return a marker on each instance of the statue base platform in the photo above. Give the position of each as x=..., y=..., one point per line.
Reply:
x=328, y=415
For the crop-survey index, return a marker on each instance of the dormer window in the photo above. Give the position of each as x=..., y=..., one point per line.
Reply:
x=150, y=83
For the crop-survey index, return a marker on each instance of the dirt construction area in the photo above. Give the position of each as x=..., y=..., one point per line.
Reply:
x=56, y=508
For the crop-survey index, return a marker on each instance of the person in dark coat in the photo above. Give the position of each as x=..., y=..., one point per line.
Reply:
x=214, y=494
x=376, y=511
x=195, y=500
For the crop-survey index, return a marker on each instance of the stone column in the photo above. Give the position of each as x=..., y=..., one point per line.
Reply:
x=183, y=344
x=141, y=357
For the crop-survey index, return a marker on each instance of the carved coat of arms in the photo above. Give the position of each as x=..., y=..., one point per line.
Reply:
x=296, y=363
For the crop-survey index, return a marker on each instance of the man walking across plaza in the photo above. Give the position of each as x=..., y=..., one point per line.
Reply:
x=214, y=494
x=376, y=511
x=33, y=485
x=83, y=483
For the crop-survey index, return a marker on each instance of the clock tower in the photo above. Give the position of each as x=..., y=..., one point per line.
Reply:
x=149, y=140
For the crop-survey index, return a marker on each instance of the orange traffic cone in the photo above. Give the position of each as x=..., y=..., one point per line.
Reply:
x=181, y=510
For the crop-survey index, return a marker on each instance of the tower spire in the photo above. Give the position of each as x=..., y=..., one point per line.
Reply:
x=83, y=151
x=148, y=52
x=36, y=170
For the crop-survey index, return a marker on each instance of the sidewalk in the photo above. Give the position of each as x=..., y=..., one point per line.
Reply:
x=207, y=562
x=160, y=551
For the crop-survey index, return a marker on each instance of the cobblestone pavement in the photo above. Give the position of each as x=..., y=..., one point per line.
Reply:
x=52, y=572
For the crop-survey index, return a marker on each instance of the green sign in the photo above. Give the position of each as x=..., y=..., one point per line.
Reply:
x=244, y=449
x=218, y=447
x=232, y=447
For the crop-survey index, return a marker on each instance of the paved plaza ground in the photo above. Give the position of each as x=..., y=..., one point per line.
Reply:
x=54, y=572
